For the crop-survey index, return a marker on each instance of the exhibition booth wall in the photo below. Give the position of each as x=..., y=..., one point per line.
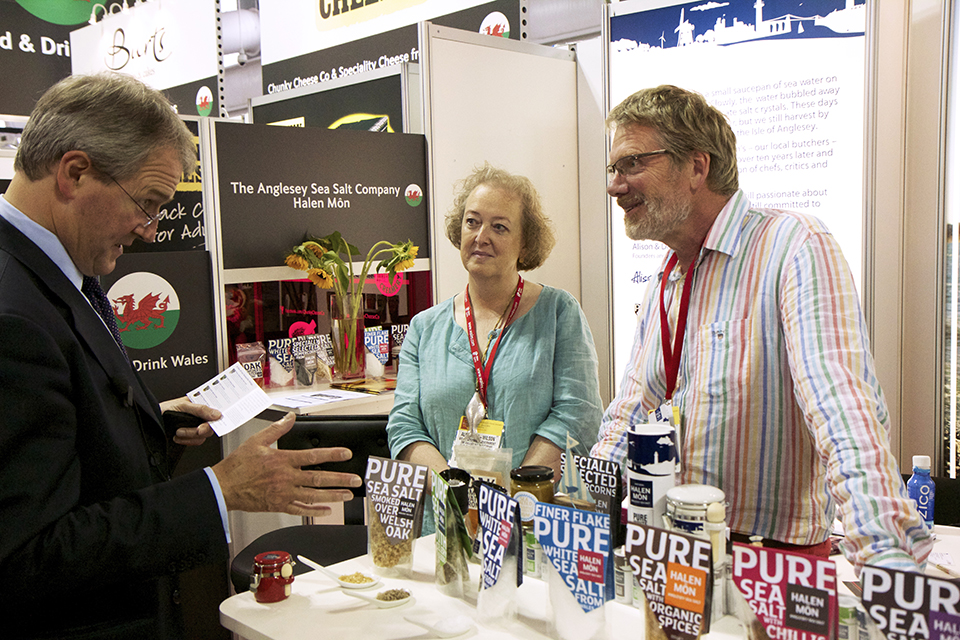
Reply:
x=903, y=266
x=538, y=111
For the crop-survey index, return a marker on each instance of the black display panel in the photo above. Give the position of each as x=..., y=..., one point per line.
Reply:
x=180, y=226
x=34, y=52
x=197, y=98
x=380, y=50
x=370, y=105
x=277, y=184
x=164, y=308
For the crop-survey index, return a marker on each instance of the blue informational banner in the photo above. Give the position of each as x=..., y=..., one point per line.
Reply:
x=788, y=74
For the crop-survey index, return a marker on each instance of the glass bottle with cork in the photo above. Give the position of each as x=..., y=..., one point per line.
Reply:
x=529, y=485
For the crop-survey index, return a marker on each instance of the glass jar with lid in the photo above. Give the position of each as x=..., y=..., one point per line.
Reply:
x=529, y=485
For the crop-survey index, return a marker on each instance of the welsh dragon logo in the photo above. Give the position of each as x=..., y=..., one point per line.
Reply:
x=147, y=308
x=145, y=313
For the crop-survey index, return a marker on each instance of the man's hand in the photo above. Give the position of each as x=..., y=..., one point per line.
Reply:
x=197, y=435
x=194, y=436
x=257, y=477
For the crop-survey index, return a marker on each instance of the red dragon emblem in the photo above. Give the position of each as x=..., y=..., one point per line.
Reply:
x=146, y=312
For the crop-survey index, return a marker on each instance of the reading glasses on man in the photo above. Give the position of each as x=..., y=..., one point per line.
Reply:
x=150, y=218
x=632, y=164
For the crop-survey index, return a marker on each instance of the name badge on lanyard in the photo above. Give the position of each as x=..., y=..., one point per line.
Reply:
x=483, y=431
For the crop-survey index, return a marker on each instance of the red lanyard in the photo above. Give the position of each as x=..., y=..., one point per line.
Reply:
x=671, y=356
x=483, y=372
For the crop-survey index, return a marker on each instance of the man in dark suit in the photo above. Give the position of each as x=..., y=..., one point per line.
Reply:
x=92, y=529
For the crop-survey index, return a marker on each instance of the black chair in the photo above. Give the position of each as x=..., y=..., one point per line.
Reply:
x=364, y=435
x=946, y=499
x=324, y=543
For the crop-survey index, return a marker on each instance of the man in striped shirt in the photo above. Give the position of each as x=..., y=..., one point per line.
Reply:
x=771, y=375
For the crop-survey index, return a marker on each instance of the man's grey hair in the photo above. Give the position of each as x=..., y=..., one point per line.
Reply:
x=116, y=120
x=684, y=122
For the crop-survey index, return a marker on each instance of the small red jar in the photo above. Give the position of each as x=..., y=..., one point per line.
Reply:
x=272, y=576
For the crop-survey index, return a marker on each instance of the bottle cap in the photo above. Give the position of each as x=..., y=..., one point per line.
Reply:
x=922, y=462
x=532, y=473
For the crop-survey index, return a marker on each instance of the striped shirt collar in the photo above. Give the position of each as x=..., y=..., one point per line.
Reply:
x=724, y=233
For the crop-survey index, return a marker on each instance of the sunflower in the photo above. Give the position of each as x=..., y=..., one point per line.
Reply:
x=320, y=278
x=402, y=257
x=297, y=262
x=407, y=257
x=315, y=249
x=328, y=262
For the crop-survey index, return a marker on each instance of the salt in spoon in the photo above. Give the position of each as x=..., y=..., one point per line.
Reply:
x=330, y=574
x=383, y=604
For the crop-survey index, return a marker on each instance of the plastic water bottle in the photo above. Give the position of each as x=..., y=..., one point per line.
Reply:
x=921, y=489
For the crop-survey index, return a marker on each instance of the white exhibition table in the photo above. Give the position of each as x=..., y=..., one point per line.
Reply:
x=317, y=608
x=362, y=403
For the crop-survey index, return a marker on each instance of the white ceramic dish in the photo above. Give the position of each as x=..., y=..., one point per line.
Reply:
x=383, y=604
x=335, y=577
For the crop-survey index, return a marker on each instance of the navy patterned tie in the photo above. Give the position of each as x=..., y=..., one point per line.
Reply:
x=101, y=304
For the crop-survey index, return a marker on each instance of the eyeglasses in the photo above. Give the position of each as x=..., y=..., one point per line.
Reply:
x=150, y=218
x=631, y=165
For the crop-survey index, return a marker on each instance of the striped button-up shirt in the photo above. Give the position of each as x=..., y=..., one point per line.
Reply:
x=779, y=402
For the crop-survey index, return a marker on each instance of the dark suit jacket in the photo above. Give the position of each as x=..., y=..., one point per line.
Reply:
x=92, y=529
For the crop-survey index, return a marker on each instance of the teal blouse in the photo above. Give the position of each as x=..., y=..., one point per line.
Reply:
x=543, y=381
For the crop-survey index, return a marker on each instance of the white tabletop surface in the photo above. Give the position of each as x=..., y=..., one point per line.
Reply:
x=317, y=608
x=359, y=403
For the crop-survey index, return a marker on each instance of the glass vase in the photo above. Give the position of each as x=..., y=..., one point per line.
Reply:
x=346, y=334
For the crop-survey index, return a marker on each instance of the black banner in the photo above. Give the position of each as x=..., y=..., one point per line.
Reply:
x=378, y=51
x=34, y=55
x=180, y=225
x=164, y=308
x=376, y=105
x=197, y=98
x=279, y=183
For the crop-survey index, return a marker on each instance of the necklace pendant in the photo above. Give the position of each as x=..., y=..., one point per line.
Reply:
x=475, y=412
